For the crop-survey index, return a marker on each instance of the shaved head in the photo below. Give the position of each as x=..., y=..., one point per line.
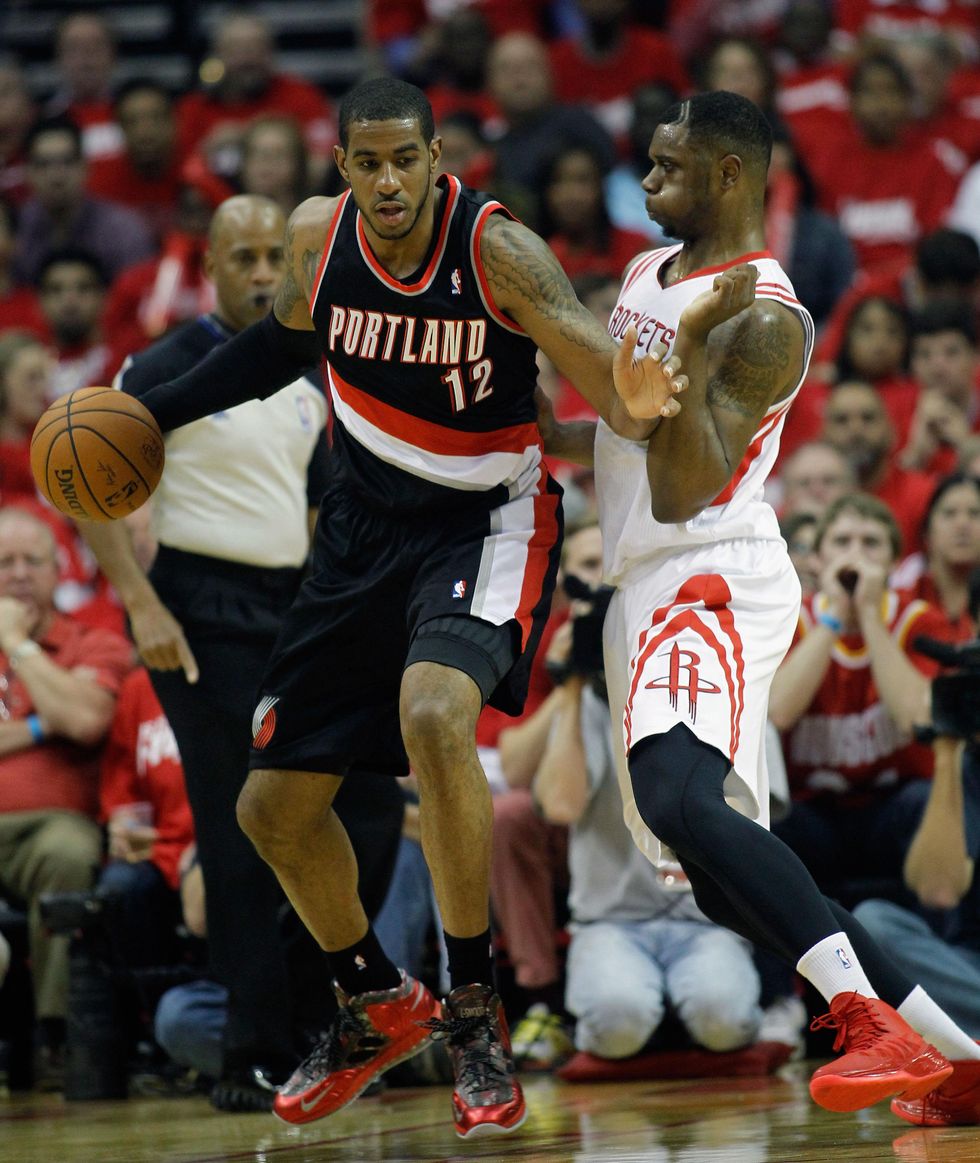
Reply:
x=242, y=213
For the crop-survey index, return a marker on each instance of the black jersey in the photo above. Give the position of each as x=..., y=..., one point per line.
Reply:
x=432, y=387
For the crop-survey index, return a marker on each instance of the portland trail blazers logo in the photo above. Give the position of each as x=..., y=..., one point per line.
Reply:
x=684, y=675
x=264, y=722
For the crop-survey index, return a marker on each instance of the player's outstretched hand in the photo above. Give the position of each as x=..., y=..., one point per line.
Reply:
x=649, y=386
x=732, y=291
x=160, y=640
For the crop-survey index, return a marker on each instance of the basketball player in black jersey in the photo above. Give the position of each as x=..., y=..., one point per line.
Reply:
x=433, y=566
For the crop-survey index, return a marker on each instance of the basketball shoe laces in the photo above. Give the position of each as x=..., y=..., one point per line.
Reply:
x=483, y=1058
x=859, y=1029
x=350, y=1041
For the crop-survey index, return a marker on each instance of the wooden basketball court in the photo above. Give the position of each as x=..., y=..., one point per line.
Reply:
x=748, y=1120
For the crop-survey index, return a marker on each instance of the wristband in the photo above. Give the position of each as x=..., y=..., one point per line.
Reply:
x=34, y=726
x=830, y=622
x=25, y=650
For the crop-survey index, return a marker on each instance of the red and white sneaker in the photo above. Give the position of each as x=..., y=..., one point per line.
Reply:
x=487, y=1099
x=883, y=1056
x=371, y=1033
x=954, y=1103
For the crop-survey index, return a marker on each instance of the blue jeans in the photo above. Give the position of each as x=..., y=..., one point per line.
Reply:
x=190, y=1023
x=950, y=974
x=620, y=977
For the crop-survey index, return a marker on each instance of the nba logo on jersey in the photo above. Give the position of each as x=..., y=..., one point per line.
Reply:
x=843, y=958
x=459, y=589
x=456, y=278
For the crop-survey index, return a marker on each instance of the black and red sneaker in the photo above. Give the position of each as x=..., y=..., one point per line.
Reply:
x=487, y=1099
x=370, y=1033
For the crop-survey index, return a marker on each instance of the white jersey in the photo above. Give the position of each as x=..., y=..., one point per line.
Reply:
x=630, y=535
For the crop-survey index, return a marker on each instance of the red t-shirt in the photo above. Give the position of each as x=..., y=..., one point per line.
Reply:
x=141, y=764
x=907, y=494
x=610, y=261
x=155, y=199
x=846, y=744
x=21, y=309
x=200, y=112
x=58, y=773
x=895, y=18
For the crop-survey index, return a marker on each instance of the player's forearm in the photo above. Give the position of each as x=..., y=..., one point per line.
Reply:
x=938, y=867
x=252, y=365
x=113, y=548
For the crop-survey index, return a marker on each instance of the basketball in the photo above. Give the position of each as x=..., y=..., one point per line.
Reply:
x=97, y=454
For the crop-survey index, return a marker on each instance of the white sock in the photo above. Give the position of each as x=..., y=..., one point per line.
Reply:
x=936, y=1026
x=832, y=967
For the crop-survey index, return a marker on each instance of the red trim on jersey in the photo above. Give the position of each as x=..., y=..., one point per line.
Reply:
x=777, y=291
x=432, y=437
x=752, y=453
x=751, y=257
x=485, y=293
x=327, y=247
x=538, y=557
x=437, y=255
x=643, y=264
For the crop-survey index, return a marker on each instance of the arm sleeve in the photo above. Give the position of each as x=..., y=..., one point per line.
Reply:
x=251, y=366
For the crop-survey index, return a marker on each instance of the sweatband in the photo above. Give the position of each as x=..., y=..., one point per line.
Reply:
x=252, y=365
x=34, y=726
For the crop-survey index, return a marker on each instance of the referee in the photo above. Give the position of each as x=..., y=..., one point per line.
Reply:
x=232, y=517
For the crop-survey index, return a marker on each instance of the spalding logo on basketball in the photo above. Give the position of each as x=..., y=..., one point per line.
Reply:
x=97, y=454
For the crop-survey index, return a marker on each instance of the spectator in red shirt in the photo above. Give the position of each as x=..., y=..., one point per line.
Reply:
x=811, y=79
x=946, y=104
x=85, y=57
x=242, y=83
x=72, y=286
x=146, y=176
x=863, y=173
x=574, y=218
x=856, y=423
x=945, y=364
x=58, y=692
x=144, y=803
x=740, y=64
x=892, y=19
x=26, y=381
x=610, y=57
x=846, y=698
x=17, y=114
x=451, y=66
x=275, y=162
x=814, y=476
x=19, y=306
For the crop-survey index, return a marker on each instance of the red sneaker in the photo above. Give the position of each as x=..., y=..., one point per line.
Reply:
x=371, y=1033
x=955, y=1103
x=883, y=1056
x=487, y=1099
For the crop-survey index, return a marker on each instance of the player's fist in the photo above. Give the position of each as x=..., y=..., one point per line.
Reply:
x=732, y=291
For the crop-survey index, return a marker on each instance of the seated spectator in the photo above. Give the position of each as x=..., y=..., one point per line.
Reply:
x=862, y=174
x=143, y=802
x=608, y=56
x=26, y=383
x=17, y=114
x=857, y=424
x=240, y=82
x=639, y=944
x=945, y=99
x=969, y=461
x=812, y=477
x=534, y=123
x=945, y=364
x=941, y=575
x=59, y=687
x=740, y=64
x=465, y=152
x=85, y=60
x=19, y=306
x=857, y=19
x=799, y=531
x=275, y=162
x=811, y=80
x=451, y=66
x=149, y=298
x=625, y=197
x=146, y=174
x=60, y=214
x=846, y=699
x=574, y=219
x=72, y=288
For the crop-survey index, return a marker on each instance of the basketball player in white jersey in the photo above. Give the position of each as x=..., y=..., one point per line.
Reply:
x=708, y=598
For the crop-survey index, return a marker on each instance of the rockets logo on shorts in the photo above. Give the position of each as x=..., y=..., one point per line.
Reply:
x=264, y=722
x=459, y=589
x=684, y=675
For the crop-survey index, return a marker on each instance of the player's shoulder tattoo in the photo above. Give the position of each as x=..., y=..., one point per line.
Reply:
x=756, y=354
x=524, y=273
x=306, y=233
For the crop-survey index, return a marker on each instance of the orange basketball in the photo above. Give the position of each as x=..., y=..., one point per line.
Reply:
x=97, y=454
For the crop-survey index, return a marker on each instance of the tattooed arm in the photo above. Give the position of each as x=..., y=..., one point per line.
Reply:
x=736, y=370
x=306, y=233
x=529, y=285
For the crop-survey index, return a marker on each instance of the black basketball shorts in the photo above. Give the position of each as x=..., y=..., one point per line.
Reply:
x=470, y=590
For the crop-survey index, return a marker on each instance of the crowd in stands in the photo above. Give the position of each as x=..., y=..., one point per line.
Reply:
x=107, y=194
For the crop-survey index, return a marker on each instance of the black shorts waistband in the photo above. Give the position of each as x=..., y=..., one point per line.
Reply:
x=271, y=579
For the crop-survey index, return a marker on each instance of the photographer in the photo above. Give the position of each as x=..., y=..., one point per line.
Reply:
x=936, y=938
x=639, y=943
x=846, y=699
